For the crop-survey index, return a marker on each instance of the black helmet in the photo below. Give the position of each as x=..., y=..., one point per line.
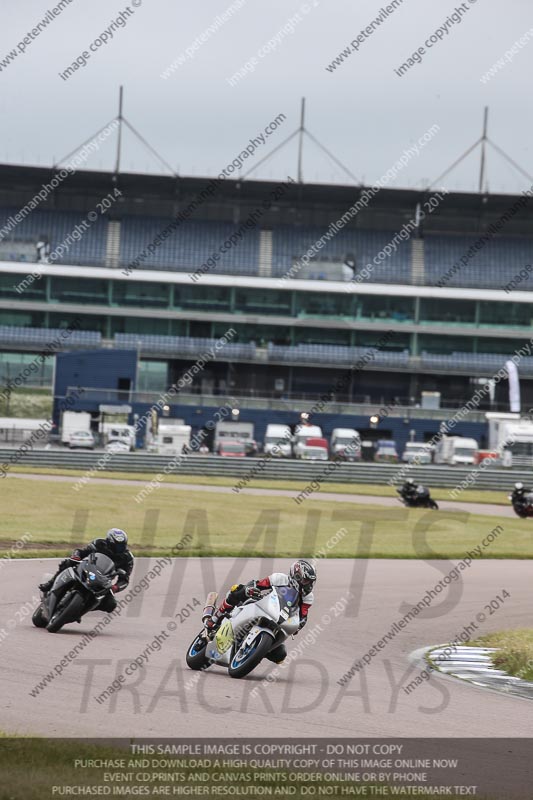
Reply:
x=117, y=540
x=302, y=575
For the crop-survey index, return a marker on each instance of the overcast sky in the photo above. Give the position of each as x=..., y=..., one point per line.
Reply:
x=363, y=112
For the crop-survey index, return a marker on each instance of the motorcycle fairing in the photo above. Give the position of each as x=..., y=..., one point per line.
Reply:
x=224, y=637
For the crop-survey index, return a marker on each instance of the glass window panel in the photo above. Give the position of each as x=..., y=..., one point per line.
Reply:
x=316, y=304
x=29, y=287
x=138, y=293
x=380, y=307
x=507, y=314
x=152, y=376
x=202, y=298
x=78, y=290
x=29, y=319
x=321, y=336
x=89, y=322
x=158, y=327
x=447, y=311
x=262, y=301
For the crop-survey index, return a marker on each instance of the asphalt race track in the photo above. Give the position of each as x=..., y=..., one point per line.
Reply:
x=485, y=509
x=165, y=698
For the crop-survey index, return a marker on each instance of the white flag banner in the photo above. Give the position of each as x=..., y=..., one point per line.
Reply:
x=514, y=387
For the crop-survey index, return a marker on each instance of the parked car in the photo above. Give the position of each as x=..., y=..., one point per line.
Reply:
x=233, y=448
x=250, y=446
x=117, y=446
x=417, y=452
x=81, y=440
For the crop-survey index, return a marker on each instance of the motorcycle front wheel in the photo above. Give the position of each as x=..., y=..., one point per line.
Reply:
x=433, y=505
x=38, y=619
x=249, y=656
x=70, y=613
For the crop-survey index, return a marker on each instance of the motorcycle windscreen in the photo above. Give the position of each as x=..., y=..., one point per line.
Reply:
x=96, y=571
x=288, y=601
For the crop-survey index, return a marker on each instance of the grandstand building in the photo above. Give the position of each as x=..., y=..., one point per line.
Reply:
x=413, y=292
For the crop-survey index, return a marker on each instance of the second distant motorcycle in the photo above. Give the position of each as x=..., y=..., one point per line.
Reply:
x=415, y=495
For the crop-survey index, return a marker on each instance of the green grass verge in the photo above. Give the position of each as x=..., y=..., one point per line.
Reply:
x=230, y=525
x=515, y=651
x=373, y=490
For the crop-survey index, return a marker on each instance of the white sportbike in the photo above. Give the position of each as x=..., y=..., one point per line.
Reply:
x=253, y=631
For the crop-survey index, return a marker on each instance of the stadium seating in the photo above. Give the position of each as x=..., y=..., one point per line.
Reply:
x=55, y=226
x=492, y=267
x=40, y=337
x=184, y=347
x=289, y=244
x=473, y=363
x=188, y=247
x=336, y=354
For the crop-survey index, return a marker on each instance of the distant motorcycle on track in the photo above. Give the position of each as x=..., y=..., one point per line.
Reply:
x=417, y=497
x=522, y=501
x=76, y=591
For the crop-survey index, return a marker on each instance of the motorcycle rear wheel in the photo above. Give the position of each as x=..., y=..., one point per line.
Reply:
x=71, y=612
x=195, y=658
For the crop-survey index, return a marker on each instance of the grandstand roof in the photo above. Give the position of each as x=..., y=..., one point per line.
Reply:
x=302, y=204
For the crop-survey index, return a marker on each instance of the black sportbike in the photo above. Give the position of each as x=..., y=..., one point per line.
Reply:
x=76, y=591
x=420, y=498
x=522, y=504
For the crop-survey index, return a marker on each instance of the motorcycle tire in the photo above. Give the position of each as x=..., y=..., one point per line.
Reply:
x=263, y=643
x=70, y=613
x=38, y=619
x=196, y=658
x=433, y=505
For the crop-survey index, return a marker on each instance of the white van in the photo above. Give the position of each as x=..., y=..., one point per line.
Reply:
x=301, y=435
x=278, y=441
x=346, y=443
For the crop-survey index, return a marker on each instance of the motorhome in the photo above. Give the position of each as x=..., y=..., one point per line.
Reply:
x=118, y=432
x=228, y=429
x=171, y=439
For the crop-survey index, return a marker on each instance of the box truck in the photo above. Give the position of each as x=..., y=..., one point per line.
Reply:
x=455, y=450
x=301, y=435
x=74, y=422
x=346, y=443
x=277, y=441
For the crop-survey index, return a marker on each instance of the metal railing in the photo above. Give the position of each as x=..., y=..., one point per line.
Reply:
x=272, y=469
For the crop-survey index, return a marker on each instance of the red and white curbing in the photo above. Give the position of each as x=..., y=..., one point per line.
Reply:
x=474, y=665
